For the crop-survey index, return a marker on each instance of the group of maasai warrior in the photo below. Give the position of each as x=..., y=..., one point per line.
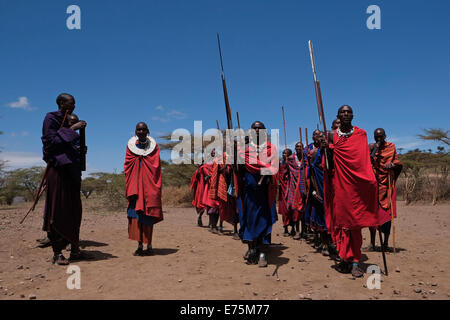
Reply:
x=327, y=192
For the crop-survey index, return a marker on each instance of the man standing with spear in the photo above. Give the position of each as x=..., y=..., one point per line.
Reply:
x=62, y=212
x=350, y=185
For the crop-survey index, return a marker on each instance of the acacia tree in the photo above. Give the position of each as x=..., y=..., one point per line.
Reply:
x=436, y=134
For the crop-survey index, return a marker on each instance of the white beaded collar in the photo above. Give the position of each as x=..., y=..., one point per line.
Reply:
x=149, y=146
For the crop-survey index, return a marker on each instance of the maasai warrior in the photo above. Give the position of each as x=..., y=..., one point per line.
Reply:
x=315, y=212
x=257, y=195
x=62, y=211
x=223, y=181
x=197, y=188
x=283, y=179
x=350, y=191
x=387, y=168
x=143, y=188
x=71, y=120
x=336, y=124
x=211, y=205
x=296, y=188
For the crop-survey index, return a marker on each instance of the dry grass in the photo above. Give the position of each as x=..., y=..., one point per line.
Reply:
x=179, y=196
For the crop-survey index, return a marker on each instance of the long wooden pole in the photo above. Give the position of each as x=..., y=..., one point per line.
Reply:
x=284, y=126
x=43, y=184
x=383, y=253
x=306, y=136
x=391, y=210
x=303, y=163
x=318, y=99
x=239, y=122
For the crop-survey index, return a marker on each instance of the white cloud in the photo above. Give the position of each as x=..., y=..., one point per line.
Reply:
x=410, y=142
x=159, y=108
x=21, y=103
x=25, y=133
x=176, y=114
x=22, y=159
x=160, y=119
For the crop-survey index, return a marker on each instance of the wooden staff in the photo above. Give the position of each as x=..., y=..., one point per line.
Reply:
x=391, y=209
x=83, y=149
x=43, y=184
x=318, y=99
x=284, y=126
x=239, y=122
x=303, y=161
x=383, y=253
x=306, y=139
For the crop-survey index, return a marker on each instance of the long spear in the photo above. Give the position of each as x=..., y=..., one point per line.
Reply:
x=383, y=254
x=391, y=209
x=303, y=160
x=306, y=137
x=227, y=105
x=82, y=149
x=239, y=123
x=224, y=86
x=43, y=184
x=318, y=98
x=284, y=126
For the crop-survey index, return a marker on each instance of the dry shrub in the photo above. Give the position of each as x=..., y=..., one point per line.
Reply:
x=430, y=186
x=176, y=196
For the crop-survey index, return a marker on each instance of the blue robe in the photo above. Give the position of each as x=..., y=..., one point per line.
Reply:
x=255, y=215
x=315, y=212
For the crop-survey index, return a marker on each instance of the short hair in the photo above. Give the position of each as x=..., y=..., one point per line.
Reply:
x=258, y=122
x=289, y=151
x=141, y=122
x=344, y=105
x=381, y=129
x=63, y=97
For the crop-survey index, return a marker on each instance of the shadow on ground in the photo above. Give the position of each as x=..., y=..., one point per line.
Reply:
x=274, y=255
x=164, y=251
x=90, y=243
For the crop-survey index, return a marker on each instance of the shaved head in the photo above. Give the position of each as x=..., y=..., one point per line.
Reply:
x=62, y=98
x=342, y=107
x=258, y=124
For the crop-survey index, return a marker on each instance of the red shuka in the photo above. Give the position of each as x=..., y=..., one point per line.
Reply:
x=205, y=200
x=197, y=187
x=387, y=154
x=145, y=182
x=351, y=188
x=219, y=191
x=255, y=163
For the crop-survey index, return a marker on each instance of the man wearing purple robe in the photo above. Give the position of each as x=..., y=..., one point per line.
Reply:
x=62, y=211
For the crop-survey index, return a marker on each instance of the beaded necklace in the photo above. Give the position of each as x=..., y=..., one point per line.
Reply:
x=345, y=134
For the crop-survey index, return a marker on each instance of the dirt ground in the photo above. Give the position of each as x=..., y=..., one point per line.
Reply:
x=192, y=263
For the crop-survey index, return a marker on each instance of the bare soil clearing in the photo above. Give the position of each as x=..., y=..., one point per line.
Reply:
x=192, y=263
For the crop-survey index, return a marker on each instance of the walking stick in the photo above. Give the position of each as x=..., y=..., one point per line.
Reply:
x=304, y=163
x=383, y=253
x=43, y=184
x=391, y=210
x=284, y=126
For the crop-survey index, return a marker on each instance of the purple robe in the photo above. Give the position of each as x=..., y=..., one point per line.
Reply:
x=57, y=142
x=62, y=211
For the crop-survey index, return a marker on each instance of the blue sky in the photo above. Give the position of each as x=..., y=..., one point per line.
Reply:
x=157, y=61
